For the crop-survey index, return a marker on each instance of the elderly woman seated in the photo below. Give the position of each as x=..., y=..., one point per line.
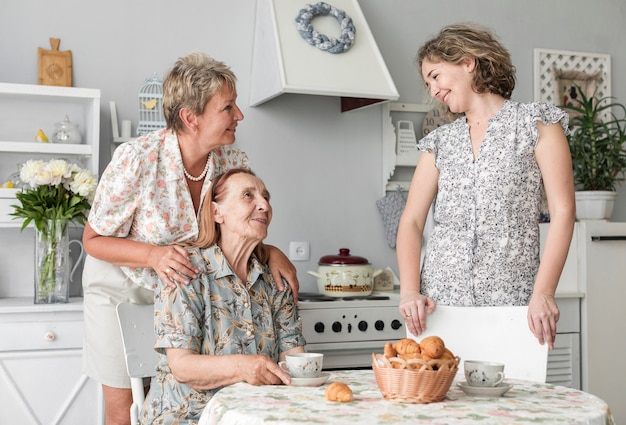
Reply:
x=230, y=324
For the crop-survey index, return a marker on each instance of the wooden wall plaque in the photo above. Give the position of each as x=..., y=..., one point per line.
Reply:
x=55, y=67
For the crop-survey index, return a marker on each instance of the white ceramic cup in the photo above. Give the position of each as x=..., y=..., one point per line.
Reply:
x=303, y=365
x=126, y=129
x=483, y=374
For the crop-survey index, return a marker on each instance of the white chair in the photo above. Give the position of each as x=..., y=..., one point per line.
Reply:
x=498, y=334
x=137, y=326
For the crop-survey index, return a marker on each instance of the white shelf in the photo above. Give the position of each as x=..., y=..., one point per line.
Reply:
x=390, y=160
x=48, y=352
x=41, y=92
x=24, y=109
x=46, y=148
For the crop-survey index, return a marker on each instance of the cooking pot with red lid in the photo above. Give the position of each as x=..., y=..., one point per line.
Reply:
x=345, y=275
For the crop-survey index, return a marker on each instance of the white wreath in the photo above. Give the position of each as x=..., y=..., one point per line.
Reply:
x=322, y=41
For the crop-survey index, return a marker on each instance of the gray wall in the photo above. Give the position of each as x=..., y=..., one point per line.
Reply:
x=322, y=167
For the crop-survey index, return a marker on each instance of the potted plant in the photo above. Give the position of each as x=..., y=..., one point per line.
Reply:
x=596, y=142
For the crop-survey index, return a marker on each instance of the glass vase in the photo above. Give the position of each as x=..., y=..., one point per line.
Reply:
x=52, y=263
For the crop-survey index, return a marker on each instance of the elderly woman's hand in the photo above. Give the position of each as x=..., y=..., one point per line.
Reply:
x=261, y=370
x=172, y=264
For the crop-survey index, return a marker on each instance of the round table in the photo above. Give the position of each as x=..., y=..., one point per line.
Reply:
x=527, y=402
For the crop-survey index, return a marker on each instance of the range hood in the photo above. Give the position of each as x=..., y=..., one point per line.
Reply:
x=284, y=62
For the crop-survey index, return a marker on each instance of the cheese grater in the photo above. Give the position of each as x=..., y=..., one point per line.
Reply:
x=406, y=138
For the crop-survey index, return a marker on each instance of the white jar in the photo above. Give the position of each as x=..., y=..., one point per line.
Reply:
x=66, y=132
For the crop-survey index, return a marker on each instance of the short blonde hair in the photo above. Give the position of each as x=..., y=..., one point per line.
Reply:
x=494, y=71
x=191, y=83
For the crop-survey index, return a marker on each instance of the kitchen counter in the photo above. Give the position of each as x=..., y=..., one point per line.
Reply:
x=26, y=305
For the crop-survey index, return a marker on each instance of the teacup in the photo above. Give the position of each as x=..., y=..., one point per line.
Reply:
x=483, y=374
x=303, y=365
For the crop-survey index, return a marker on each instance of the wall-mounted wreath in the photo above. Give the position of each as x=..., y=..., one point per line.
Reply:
x=322, y=41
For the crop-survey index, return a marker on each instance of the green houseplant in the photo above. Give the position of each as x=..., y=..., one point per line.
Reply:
x=596, y=142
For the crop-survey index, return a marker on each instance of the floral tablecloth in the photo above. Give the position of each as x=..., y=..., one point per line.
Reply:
x=526, y=403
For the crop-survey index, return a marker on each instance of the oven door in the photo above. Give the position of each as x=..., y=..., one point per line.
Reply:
x=346, y=355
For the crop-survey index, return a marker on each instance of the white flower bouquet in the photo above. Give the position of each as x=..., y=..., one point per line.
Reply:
x=57, y=190
x=55, y=193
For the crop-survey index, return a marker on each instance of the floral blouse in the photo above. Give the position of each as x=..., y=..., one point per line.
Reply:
x=484, y=247
x=143, y=194
x=217, y=314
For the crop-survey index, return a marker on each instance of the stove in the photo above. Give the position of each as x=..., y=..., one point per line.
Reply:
x=348, y=330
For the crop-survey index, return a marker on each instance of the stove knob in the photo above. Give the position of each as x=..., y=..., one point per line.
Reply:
x=319, y=327
x=379, y=325
x=336, y=327
x=396, y=324
x=362, y=325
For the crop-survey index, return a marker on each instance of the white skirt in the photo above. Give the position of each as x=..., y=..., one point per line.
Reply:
x=104, y=286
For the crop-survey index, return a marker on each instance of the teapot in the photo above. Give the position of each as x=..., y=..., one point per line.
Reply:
x=66, y=132
x=345, y=275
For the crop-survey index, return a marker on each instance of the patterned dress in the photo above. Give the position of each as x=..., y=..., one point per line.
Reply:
x=484, y=247
x=216, y=314
x=143, y=195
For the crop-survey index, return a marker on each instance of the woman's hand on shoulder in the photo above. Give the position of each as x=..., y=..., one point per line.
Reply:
x=172, y=264
x=281, y=268
x=414, y=307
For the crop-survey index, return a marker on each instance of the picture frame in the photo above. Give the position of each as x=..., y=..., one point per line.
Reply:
x=558, y=73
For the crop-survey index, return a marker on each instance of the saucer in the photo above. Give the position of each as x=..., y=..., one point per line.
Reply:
x=497, y=391
x=310, y=382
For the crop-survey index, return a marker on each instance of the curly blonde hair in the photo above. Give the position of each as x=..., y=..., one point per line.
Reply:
x=494, y=71
x=191, y=83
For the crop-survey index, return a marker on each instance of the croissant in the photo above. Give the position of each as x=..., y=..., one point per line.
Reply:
x=338, y=391
x=410, y=356
x=407, y=346
x=389, y=351
x=447, y=354
x=432, y=347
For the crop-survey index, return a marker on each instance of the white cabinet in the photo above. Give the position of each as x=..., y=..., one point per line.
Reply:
x=564, y=366
x=596, y=269
x=41, y=345
x=24, y=109
x=601, y=270
x=40, y=365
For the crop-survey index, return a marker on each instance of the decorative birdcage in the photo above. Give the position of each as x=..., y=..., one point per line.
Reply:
x=151, y=106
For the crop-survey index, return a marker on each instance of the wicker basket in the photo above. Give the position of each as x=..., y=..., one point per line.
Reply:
x=415, y=380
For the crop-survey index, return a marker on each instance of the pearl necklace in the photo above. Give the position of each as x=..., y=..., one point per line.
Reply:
x=201, y=176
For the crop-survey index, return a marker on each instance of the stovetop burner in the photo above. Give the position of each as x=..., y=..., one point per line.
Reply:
x=316, y=297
